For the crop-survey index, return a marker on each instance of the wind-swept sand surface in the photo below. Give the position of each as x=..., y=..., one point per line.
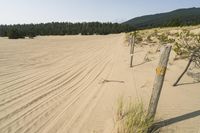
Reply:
x=71, y=84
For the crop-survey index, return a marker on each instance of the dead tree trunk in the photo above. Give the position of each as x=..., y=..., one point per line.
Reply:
x=158, y=83
x=188, y=65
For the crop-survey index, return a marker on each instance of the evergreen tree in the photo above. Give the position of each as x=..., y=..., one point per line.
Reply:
x=54, y=28
x=15, y=34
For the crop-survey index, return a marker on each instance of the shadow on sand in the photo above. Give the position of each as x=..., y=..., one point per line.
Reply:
x=197, y=82
x=158, y=125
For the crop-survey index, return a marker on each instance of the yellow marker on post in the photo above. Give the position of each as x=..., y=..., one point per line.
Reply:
x=160, y=71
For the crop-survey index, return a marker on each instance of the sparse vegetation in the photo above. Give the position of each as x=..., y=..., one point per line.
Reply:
x=185, y=44
x=132, y=117
x=137, y=35
x=189, y=47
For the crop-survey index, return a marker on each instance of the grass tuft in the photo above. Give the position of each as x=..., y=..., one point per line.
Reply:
x=132, y=117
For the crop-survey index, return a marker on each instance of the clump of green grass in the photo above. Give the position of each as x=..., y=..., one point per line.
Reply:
x=132, y=117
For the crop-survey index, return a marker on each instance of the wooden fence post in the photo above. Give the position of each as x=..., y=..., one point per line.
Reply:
x=158, y=83
x=188, y=65
x=132, y=49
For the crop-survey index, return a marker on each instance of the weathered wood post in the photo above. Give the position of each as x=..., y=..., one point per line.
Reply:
x=158, y=83
x=132, y=49
x=188, y=65
x=179, y=78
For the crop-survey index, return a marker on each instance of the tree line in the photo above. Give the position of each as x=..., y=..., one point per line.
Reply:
x=62, y=28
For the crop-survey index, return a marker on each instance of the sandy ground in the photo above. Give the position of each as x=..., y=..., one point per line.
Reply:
x=57, y=84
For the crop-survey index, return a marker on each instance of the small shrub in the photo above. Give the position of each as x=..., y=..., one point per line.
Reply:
x=149, y=39
x=188, y=44
x=163, y=38
x=31, y=36
x=155, y=33
x=171, y=40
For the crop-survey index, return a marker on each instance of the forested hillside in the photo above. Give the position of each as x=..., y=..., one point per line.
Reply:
x=181, y=17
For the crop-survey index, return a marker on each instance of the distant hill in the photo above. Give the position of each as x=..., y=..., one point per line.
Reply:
x=180, y=17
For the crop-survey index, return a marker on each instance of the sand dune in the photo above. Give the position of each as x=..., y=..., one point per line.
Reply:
x=71, y=84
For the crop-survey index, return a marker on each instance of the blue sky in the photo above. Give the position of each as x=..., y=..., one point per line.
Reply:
x=36, y=11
